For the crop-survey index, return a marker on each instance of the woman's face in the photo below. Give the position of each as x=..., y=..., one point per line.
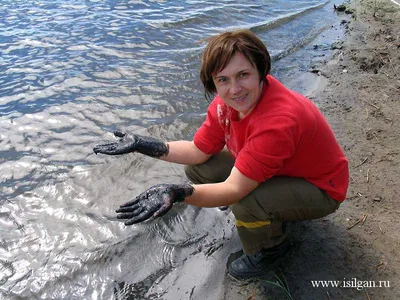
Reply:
x=238, y=85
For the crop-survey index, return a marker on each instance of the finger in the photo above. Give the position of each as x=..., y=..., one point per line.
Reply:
x=133, y=202
x=119, y=134
x=129, y=215
x=109, y=148
x=162, y=211
x=140, y=218
x=130, y=208
x=125, y=216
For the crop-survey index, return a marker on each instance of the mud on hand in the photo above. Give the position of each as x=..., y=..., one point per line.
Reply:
x=131, y=143
x=154, y=202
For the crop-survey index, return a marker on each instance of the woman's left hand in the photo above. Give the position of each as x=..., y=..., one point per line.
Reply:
x=154, y=202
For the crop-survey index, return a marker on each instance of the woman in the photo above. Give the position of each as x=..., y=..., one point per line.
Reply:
x=266, y=151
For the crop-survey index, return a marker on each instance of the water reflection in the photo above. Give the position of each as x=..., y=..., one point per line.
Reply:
x=71, y=74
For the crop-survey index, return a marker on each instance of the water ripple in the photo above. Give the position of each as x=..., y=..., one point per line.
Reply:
x=71, y=73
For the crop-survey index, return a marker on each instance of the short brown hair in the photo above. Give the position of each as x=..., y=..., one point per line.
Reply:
x=223, y=47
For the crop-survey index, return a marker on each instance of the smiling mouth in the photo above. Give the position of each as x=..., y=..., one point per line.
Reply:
x=240, y=99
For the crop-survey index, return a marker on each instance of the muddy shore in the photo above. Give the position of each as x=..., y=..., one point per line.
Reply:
x=359, y=245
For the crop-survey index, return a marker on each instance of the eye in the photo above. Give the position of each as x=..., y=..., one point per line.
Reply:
x=221, y=80
x=243, y=74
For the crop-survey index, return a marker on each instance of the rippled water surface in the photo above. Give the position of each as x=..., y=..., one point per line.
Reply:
x=72, y=72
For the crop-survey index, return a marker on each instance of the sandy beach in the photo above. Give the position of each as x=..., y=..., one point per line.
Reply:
x=358, y=246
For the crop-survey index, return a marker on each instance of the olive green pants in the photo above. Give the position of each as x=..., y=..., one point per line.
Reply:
x=262, y=215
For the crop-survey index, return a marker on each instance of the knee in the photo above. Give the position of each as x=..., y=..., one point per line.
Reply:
x=189, y=171
x=194, y=174
x=242, y=209
x=249, y=208
x=216, y=169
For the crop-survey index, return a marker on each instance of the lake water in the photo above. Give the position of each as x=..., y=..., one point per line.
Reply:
x=72, y=72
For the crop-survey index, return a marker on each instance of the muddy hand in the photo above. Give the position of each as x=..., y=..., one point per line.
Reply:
x=154, y=202
x=130, y=143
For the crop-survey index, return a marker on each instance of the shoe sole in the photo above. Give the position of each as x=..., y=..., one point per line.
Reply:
x=242, y=282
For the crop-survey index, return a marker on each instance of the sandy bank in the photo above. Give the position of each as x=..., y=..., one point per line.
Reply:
x=359, y=244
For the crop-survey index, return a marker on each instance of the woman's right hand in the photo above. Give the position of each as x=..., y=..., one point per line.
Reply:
x=133, y=143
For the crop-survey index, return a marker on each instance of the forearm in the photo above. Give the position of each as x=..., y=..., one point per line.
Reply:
x=233, y=189
x=184, y=152
x=214, y=195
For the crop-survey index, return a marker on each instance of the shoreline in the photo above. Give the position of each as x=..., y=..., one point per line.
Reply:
x=359, y=94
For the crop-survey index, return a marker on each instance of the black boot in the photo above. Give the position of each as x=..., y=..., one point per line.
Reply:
x=259, y=264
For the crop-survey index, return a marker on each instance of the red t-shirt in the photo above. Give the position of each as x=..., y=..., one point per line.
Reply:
x=284, y=135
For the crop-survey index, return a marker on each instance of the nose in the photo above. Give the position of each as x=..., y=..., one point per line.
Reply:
x=235, y=87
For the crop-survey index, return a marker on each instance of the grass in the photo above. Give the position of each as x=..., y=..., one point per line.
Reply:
x=280, y=283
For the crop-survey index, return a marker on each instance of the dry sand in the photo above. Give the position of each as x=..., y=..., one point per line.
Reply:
x=361, y=241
